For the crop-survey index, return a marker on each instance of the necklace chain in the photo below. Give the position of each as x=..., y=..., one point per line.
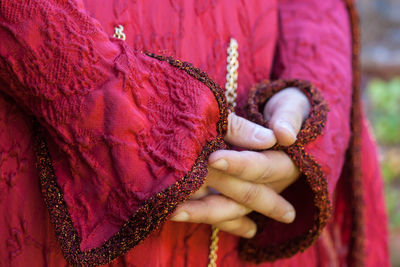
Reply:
x=232, y=74
x=231, y=94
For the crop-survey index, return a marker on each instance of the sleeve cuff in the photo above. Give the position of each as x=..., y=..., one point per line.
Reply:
x=152, y=212
x=309, y=194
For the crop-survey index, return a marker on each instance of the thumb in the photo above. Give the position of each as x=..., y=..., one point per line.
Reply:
x=286, y=111
x=247, y=134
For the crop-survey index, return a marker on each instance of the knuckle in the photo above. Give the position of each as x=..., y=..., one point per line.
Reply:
x=236, y=125
x=267, y=169
x=276, y=210
x=242, y=210
x=294, y=172
x=238, y=226
x=272, y=209
x=291, y=116
x=240, y=169
x=200, y=216
x=233, y=226
x=266, y=173
x=250, y=194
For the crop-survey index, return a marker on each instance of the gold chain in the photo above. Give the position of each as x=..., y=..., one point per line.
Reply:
x=232, y=74
x=230, y=93
x=213, y=247
x=119, y=32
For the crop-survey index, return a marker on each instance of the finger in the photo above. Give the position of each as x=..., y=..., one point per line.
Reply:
x=210, y=210
x=246, y=134
x=203, y=191
x=242, y=226
x=286, y=112
x=257, y=197
x=267, y=167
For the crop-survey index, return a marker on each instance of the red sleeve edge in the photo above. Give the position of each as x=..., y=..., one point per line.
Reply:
x=357, y=255
x=153, y=213
x=314, y=175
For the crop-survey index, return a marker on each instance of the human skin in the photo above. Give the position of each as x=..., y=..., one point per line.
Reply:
x=247, y=180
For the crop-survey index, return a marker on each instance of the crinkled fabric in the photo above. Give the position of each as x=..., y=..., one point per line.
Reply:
x=122, y=127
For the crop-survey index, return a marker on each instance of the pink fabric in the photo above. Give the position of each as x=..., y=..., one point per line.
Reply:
x=314, y=45
x=99, y=99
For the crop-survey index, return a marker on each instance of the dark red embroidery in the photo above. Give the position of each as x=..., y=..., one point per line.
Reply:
x=312, y=127
x=314, y=175
x=152, y=213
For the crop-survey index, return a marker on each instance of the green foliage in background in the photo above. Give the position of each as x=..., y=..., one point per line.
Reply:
x=385, y=101
x=384, y=113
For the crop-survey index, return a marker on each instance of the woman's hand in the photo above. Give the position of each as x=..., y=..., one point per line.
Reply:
x=286, y=112
x=249, y=180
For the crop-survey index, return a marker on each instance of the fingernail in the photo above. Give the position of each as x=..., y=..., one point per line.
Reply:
x=264, y=135
x=288, y=127
x=220, y=164
x=181, y=217
x=288, y=217
x=251, y=233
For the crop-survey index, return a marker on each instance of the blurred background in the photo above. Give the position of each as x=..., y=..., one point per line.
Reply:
x=380, y=61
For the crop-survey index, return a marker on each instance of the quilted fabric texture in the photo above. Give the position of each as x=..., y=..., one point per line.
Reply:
x=124, y=129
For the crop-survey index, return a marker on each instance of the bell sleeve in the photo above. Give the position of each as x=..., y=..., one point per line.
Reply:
x=122, y=137
x=314, y=54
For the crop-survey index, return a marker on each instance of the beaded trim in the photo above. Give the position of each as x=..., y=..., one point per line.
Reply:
x=314, y=175
x=314, y=124
x=150, y=215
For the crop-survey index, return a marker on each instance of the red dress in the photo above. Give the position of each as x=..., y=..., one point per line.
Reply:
x=100, y=139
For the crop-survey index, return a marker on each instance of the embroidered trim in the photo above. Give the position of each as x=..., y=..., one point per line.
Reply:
x=312, y=127
x=357, y=254
x=150, y=215
x=357, y=250
x=314, y=175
